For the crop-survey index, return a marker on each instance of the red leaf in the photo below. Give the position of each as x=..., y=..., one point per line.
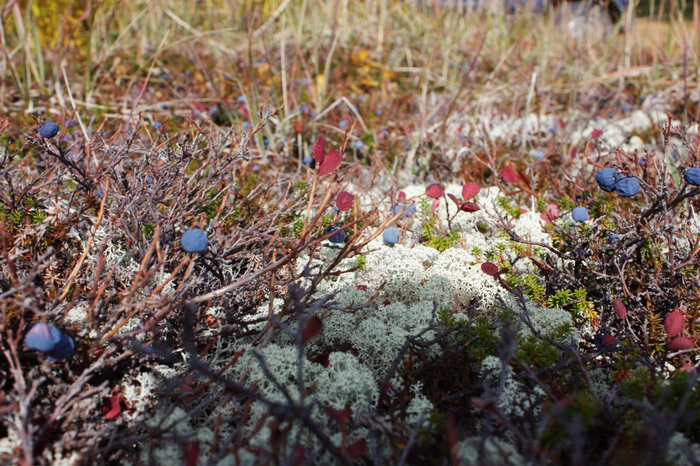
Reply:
x=356, y=450
x=340, y=417
x=330, y=163
x=680, y=343
x=469, y=207
x=301, y=453
x=191, y=453
x=319, y=150
x=489, y=268
x=607, y=340
x=312, y=327
x=454, y=199
x=620, y=309
x=574, y=151
x=322, y=359
x=509, y=175
x=674, y=323
x=402, y=196
x=115, y=404
x=596, y=133
x=435, y=204
x=524, y=178
x=470, y=189
x=434, y=190
x=344, y=201
x=550, y=214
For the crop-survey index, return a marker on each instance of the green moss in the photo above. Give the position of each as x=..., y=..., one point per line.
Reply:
x=540, y=354
x=147, y=230
x=507, y=204
x=301, y=187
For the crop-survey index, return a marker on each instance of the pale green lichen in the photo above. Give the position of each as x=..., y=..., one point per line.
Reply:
x=516, y=398
x=682, y=452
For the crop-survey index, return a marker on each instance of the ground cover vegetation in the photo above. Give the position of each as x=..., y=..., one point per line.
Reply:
x=347, y=232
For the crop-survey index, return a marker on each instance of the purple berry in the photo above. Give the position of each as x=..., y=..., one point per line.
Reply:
x=399, y=207
x=580, y=214
x=42, y=337
x=692, y=176
x=606, y=178
x=627, y=187
x=338, y=237
x=194, y=240
x=391, y=235
x=63, y=349
x=48, y=130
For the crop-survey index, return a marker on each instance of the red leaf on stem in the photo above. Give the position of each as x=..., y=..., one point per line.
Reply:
x=312, y=327
x=489, y=268
x=191, y=450
x=680, y=343
x=470, y=189
x=469, y=207
x=674, y=323
x=550, y=214
x=596, y=133
x=319, y=152
x=330, y=163
x=344, y=201
x=115, y=404
x=434, y=190
x=454, y=199
x=620, y=309
x=356, y=450
x=509, y=175
x=435, y=204
x=340, y=417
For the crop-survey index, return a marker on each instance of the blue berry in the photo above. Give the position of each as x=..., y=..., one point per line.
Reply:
x=42, y=337
x=391, y=235
x=613, y=238
x=63, y=349
x=194, y=240
x=627, y=187
x=692, y=176
x=580, y=214
x=48, y=130
x=606, y=178
x=308, y=160
x=399, y=207
x=339, y=237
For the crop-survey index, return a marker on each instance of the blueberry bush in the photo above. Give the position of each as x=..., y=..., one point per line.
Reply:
x=290, y=232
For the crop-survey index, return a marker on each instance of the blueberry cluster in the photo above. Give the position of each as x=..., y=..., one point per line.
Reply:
x=399, y=207
x=48, y=339
x=608, y=180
